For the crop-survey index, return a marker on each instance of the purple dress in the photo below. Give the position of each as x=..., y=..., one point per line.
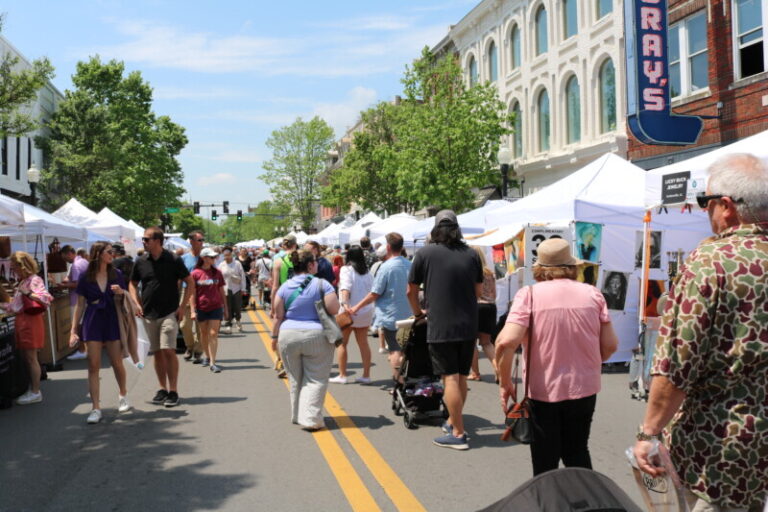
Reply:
x=100, y=322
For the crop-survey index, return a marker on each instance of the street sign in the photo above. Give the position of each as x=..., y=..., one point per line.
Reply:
x=171, y=210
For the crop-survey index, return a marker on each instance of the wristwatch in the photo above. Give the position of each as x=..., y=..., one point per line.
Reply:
x=642, y=436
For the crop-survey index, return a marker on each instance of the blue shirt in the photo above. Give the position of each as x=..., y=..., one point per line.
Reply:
x=302, y=313
x=391, y=285
x=190, y=261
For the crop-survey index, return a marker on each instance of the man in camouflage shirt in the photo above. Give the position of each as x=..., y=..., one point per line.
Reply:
x=711, y=364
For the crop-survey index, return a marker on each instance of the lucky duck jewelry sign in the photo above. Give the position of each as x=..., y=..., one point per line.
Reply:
x=649, y=115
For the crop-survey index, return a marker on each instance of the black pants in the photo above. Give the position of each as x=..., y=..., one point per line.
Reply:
x=561, y=431
x=235, y=306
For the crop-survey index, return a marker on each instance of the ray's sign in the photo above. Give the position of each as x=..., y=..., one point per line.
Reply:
x=649, y=115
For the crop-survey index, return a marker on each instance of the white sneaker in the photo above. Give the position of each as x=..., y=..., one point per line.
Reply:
x=226, y=329
x=29, y=398
x=94, y=417
x=77, y=356
x=338, y=380
x=239, y=327
x=363, y=380
x=382, y=350
x=124, y=405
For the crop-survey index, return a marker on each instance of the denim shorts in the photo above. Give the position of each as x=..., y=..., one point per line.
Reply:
x=214, y=314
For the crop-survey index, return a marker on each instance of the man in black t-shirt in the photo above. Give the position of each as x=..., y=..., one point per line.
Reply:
x=452, y=275
x=160, y=272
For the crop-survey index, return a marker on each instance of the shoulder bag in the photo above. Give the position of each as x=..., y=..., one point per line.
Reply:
x=31, y=306
x=331, y=329
x=518, y=421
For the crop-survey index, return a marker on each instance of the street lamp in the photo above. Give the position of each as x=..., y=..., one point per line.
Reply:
x=33, y=177
x=505, y=159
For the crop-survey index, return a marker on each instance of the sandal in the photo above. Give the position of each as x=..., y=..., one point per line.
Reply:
x=473, y=377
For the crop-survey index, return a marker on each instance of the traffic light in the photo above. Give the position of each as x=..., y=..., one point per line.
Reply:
x=214, y=215
x=226, y=206
x=196, y=207
x=239, y=215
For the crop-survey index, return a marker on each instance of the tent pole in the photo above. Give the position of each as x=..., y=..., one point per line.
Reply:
x=54, y=366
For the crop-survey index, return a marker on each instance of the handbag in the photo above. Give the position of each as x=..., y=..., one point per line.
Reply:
x=30, y=306
x=518, y=421
x=331, y=329
x=344, y=320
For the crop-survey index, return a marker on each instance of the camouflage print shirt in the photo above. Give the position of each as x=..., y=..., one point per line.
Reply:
x=713, y=344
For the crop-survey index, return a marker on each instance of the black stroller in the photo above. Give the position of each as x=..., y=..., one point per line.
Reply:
x=418, y=393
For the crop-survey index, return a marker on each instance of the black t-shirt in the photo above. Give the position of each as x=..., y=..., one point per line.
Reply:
x=159, y=283
x=124, y=264
x=449, y=275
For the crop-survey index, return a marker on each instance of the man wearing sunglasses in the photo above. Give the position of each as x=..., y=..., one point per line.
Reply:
x=160, y=273
x=189, y=328
x=711, y=363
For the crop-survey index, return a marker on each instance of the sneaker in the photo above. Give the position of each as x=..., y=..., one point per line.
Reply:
x=29, y=398
x=363, y=380
x=77, y=356
x=226, y=329
x=160, y=397
x=447, y=428
x=123, y=405
x=187, y=355
x=94, y=417
x=450, y=441
x=239, y=327
x=215, y=368
x=382, y=350
x=339, y=379
x=205, y=362
x=198, y=359
x=172, y=400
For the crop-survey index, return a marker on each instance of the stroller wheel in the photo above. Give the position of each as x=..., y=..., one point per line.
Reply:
x=408, y=420
x=396, y=406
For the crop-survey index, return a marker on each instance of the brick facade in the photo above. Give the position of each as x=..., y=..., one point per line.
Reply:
x=741, y=106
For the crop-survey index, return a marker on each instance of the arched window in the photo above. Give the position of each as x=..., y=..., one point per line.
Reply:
x=514, y=39
x=517, y=136
x=573, y=110
x=493, y=62
x=544, y=126
x=473, y=78
x=541, y=31
x=607, y=97
x=570, y=19
x=604, y=7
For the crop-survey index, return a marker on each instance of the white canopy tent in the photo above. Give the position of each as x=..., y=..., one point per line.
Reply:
x=393, y=223
x=75, y=212
x=756, y=144
x=251, y=244
x=358, y=230
x=330, y=235
x=39, y=222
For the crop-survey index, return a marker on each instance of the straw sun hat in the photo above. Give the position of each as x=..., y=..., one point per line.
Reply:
x=555, y=252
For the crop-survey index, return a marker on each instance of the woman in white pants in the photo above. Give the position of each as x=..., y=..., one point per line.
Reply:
x=297, y=332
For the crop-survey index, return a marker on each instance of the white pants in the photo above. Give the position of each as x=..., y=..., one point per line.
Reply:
x=307, y=357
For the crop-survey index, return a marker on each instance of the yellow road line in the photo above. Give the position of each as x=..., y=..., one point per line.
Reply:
x=397, y=491
x=357, y=494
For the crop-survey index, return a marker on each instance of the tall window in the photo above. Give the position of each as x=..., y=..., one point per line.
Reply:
x=544, y=127
x=573, y=110
x=688, y=55
x=570, y=19
x=4, y=156
x=604, y=7
x=517, y=136
x=516, y=53
x=749, y=41
x=493, y=62
x=607, y=97
x=472, y=72
x=541, y=31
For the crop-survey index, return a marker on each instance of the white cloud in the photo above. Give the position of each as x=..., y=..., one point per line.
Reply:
x=344, y=114
x=195, y=93
x=241, y=156
x=221, y=178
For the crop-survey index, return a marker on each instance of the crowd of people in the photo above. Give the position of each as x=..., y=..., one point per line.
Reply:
x=710, y=372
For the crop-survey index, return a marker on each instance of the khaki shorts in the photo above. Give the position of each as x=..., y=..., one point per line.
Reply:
x=162, y=332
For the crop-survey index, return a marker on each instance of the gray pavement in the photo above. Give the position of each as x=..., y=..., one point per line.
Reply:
x=230, y=444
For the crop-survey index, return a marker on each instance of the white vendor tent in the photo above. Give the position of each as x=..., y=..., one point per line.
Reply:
x=39, y=222
x=359, y=229
x=251, y=244
x=11, y=214
x=75, y=212
x=756, y=144
x=394, y=223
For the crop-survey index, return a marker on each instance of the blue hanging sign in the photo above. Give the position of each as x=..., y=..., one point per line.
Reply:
x=649, y=115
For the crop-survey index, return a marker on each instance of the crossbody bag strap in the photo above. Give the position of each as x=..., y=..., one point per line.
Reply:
x=298, y=291
x=530, y=348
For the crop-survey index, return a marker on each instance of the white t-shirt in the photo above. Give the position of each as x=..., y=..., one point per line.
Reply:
x=233, y=275
x=359, y=286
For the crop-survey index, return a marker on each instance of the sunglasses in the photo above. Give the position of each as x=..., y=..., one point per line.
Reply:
x=147, y=239
x=198, y=239
x=703, y=200
x=110, y=251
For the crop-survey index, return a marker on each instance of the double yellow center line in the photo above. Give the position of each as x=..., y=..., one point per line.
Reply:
x=357, y=494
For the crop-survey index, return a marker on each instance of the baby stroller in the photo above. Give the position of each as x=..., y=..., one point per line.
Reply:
x=418, y=393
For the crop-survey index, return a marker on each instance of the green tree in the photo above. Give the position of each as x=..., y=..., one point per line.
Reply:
x=186, y=221
x=18, y=89
x=299, y=153
x=108, y=148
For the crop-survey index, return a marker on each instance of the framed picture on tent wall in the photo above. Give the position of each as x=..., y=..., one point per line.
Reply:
x=656, y=288
x=615, y=289
x=587, y=273
x=589, y=237
x=655, y=249
x=514, y=249
x=534, y=235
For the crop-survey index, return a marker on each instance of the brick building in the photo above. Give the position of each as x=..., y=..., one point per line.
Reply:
x=718, y=68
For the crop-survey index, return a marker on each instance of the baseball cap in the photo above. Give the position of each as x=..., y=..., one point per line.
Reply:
x=290, y=239
x=446, y=217
x=208, y=252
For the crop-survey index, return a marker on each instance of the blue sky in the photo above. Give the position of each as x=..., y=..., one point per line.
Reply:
x=233, y=71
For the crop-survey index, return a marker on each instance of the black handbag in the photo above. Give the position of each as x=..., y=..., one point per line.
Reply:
x=519, y=421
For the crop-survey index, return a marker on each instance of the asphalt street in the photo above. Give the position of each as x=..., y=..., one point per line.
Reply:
x=230, y=445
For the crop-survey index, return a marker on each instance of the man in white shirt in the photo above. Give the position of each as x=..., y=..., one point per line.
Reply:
x=234, y=277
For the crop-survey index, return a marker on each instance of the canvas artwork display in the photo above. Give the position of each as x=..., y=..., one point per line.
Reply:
x=615, y=289
x=588, y=240
x=587, y=273
x=655, y=249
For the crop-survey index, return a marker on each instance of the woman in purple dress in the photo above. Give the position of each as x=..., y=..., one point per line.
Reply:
x=100, y=328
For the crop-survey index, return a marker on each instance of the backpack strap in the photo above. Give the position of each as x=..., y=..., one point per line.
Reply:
x=298, y=291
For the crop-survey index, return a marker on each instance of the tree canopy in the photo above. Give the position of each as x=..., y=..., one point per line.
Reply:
x=299, y=154
x=107, y=147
